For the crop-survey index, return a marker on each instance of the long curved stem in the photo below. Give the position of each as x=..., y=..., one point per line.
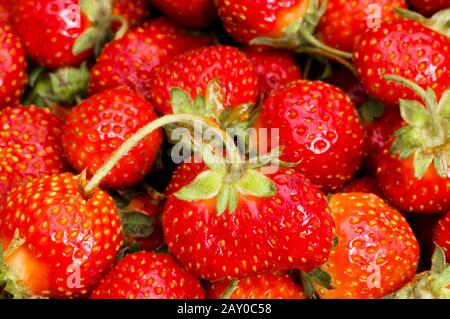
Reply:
x=316, y=43
x=149, y=128
x=320, y=52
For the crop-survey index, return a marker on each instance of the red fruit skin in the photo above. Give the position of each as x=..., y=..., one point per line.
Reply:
x=146, y=275
x=345, y=21
x=378, y=134
x=274, y=68
x=63, y=230
x=135, y=11
x=247, y=19
x=401, y=188
x=291, y=230
x=194, y=70
x=373, y=239
x=49, y=29
x=13, y=76
x=278, y=285
x=362, y=185
x=442, y=234
x=183, y=175
x=429, y=7
x=318, y=125
x=30, y=145
x=102, y=123
x=404, y=48
x=195, y=14
x=128, y=62
x=5, y=11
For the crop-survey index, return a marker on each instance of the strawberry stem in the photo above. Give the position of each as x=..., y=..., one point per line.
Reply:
x=149, y=128
x=309, y=37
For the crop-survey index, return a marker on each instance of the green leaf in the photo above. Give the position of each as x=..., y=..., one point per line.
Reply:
x=444, y=105
x=222, y=199
x=233, y=199
x=181, y=101
x=307, y=285
x=199, y=105
x=96, y=9
x=371, y=110
x=441, y=165
x=137, y=225
x=213, y=161
x=321, y=277
x=438, y=263
x=131, y=249
x=86, y=41
x=414, y=113
x=214, y=98
x=254, y=183
x=205, y=186
x=230, y=289
x=421, y=163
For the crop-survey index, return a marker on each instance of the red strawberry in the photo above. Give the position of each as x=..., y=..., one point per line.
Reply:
x=128, y=61
x=274, y=221
x=5, y=11
x=191, y=14
x=193, y=71
x=30, y=145
x=344, y=21
x=318, y=126
x=183, y=175
x=376, y=252
x=148, y=276
x=134, y=11
x=13, y=76
x=99, y=125
x=442, y=234
x=248, y=19
x=362, y=185
x=404, y=48
x=69, y=242
x=277, y=285
x=274, y=68
x=428, y=7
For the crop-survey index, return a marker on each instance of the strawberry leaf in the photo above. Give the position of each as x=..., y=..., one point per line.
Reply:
x=214, y=99
x=444, y=105
x=321, y=277
x=438, y=263
x=232, y=199
x=87, y=40
x=213, y=161
x=421, y=163
x=95, y=9
x=222, y=199
x=230, y=289
x=181, y=101
x=441, y=164
x=137, y=225
x=414, y=113
x=254, y=183
x=205, y=186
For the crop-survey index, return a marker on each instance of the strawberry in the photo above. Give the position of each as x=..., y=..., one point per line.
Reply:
x=193, y=71
x=140, y=214
x=376, y=252
x=183, y=175
x=442, y=235
x=134, y=11
x=68, y=30
x=274, y=68
x=362, y=185
x=318, y=125
x=60, y=243
x=5, y=11
x=245, y=235
x=148, y=276
x=428, y=7
x=191, y=14
x=12, y=69
x=99, y=125
x=344, y=21
x=128, y=61
x=30, y=145
x=407, y=49
x=248, y=19
x=278, y=285
x=413, y=168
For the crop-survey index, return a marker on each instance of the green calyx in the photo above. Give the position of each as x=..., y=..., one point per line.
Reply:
x=439, y=22
x=299, y=35
x=230, y=289
x=66, y=86
x=433, y=284
x=316, y=277
x=427, y=133
x=371, y=110
x=99, y=13
x=10, y=287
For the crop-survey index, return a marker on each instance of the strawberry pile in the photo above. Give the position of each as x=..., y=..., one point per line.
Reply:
x=314, y=160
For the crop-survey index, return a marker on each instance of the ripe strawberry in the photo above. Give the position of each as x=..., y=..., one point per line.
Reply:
x=128, y=61
x=193, y=71
x=442, y=234
x=362, y=185
x=12, y=69
x=99, y=125
x=274, y=68
x=184, y=174
x=278, y=285
x=5, y=11
x=148, y=276
x=404, y=48
x=344, y=21
x=69, y=242
x=30, y=145
x=318, y=126
x=134, y=11
x=270, y=222
x=428, y=7
x=191, y=14
x=248, y=19
x=376, y=252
